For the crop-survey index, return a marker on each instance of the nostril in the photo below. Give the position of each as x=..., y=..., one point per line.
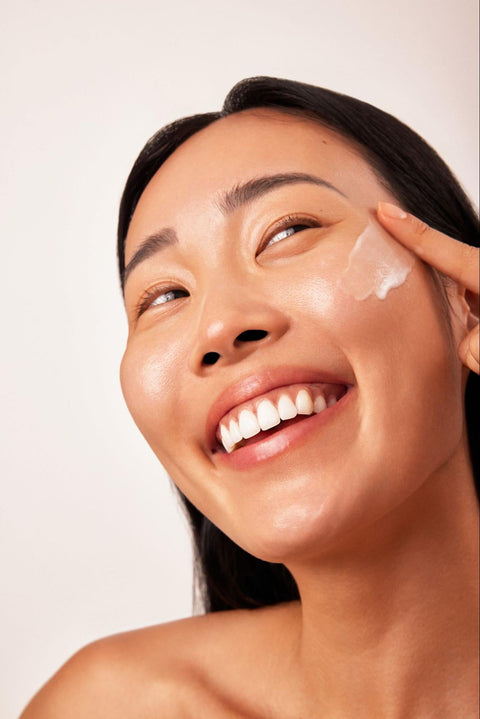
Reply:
x=251, y=336
x=210, y=358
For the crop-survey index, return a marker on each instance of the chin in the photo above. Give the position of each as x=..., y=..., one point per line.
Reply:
x=301, y=529
x=311, y=520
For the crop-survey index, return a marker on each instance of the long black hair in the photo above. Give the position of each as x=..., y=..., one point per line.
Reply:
x=227, y=577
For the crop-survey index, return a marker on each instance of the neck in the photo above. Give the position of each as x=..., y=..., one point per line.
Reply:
x=389, y=625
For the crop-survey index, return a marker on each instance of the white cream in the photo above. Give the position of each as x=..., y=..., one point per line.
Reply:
x=376, y=265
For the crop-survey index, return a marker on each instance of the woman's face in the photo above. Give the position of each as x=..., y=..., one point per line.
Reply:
x=235, y=299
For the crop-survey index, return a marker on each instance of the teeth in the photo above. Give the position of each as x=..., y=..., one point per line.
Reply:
x=286, y=408
x=235, y=433
x=248, y=424
x=319, y=405
x=226, y=439
x=267, y=415
x=304, y=402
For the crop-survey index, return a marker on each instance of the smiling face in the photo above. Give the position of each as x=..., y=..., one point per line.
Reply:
x=237, y=315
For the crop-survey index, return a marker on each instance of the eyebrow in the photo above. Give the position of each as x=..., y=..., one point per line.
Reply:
x=150, y=246
x=244, y=193
x=240, y=195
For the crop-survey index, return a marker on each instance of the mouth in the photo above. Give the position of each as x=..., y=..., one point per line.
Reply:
x=262, y=416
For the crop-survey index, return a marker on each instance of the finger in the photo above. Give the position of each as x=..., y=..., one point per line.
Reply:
x=468, y=351
x=455, y=259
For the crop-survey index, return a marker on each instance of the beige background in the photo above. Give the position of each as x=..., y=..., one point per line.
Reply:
x=92, y=541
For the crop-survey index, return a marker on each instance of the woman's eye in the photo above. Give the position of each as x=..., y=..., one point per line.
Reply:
x=156, y=297
x=287, y=232
x=168, y=297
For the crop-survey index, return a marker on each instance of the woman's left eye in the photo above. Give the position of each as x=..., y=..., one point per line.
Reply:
x=287, y=232
x=167, y=297
x=287, y=227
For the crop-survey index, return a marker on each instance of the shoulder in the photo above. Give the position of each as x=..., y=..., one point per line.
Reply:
x=169, y=667
x=102, y=680
x=122, y=675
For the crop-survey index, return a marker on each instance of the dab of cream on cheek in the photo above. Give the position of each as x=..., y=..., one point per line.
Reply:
x=376, y=265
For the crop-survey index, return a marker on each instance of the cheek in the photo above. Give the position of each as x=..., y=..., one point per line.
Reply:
x=399, y=347
x=147, y=380
x=410, y=381
x=362, y=265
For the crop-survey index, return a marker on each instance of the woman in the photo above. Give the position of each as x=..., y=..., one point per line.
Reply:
x=297, y=359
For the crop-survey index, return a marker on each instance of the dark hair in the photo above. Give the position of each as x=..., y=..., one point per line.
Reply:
x=227, y=577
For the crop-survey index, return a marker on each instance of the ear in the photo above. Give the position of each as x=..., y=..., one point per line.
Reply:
x=464, y=323
x=461, y=315
x=472, y=301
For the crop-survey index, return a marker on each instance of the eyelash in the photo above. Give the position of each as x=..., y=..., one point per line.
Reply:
x=149, y=297
x=286, y=223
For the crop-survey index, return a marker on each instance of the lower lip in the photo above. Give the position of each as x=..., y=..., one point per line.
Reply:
x=283, y=440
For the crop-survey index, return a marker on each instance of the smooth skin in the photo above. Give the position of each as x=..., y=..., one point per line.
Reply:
x=454, y=259
x=387, y=567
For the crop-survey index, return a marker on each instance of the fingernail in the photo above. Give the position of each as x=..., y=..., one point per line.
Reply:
x=396, y=213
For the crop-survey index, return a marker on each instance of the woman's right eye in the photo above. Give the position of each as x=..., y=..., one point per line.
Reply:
x=158, y=296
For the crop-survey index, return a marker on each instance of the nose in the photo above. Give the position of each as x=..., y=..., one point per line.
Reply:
x=230, y=330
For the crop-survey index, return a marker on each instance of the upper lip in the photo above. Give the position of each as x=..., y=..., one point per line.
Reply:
x=254, y=385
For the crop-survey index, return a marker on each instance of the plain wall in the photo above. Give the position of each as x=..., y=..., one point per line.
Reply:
x=92, y=539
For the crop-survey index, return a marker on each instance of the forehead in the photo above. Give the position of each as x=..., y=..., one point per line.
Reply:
x=242, y=147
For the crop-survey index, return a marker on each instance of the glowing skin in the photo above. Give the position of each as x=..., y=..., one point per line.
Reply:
x=376, y=265
x=235, y=270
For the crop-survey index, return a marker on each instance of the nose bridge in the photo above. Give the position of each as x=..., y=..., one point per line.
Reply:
x=234, y=318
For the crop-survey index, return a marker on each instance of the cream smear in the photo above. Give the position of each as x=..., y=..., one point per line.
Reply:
x=376, y=265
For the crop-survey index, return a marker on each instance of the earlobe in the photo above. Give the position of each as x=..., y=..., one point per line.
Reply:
x=459, y=310
x=467, y=302
x=464, y=320
x=471, y=301
x=459, y=304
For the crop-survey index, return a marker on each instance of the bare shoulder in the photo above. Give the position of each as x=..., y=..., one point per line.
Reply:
x=108, y=678
x=200, y=661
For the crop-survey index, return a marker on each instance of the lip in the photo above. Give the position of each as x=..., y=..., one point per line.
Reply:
x=256, y=385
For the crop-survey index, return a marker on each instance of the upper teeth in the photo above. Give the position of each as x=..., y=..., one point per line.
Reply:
x=269, y=413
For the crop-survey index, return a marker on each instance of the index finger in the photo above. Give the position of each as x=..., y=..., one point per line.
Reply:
x=455, y=259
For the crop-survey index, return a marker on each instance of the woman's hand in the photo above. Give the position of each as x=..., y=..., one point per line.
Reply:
x=455, y=259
